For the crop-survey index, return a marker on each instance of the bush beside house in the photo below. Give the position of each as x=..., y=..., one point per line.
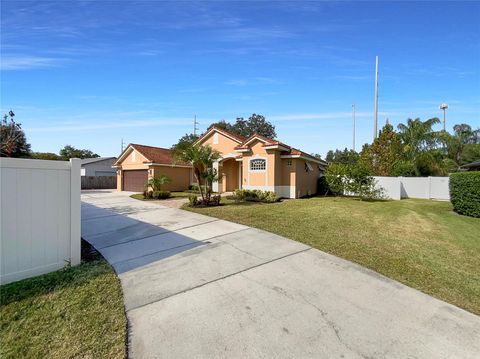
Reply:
x=242, y=195
x=465, y=193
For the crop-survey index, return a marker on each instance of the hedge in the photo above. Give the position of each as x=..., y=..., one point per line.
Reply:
x=465, y=193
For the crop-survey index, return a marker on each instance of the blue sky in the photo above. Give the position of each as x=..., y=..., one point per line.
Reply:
x=90, y=73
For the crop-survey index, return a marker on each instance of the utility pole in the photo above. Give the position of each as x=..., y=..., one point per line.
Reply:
x=353, y=126
x=443, y=107
x=195, y=123
x=375, y=111
x=122, y=146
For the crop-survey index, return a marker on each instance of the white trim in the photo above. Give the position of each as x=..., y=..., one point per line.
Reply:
x=285, y=191
x=215, y=138
x=305, y=158
x=243, y=150
x=165, y=165
x=228, y=156
x=276, y=147
x=255, y=138
x=124, y=154
x=215, y=183
x=240, y=169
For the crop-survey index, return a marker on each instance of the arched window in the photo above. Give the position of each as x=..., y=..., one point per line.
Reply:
x=258, y=164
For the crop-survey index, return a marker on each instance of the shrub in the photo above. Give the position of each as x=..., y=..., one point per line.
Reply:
x=161, y=194
x=192, y=200
x=404, y=169
x=193, y=187
x=215, y=200
x=255, y=195
x=148, y=194
x=156, y=183
x=465, y=193
x=322, y=186
x=334, y=176
x=353, y=180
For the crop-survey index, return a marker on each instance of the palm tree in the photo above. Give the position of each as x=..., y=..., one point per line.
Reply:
x=201, y=158
x=157, y=182
x=455, y=144
x=418, y=136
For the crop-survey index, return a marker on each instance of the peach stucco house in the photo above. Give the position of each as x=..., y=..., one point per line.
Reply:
x=250, y=163
x=261, y=163
x=138, y=163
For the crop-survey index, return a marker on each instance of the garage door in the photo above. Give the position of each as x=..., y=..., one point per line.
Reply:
x=134, y=180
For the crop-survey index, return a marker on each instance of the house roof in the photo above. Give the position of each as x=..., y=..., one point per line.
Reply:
x=152, y=154
x=86, y=161
x=286, y=149
x=233, y=136
x=267, y=142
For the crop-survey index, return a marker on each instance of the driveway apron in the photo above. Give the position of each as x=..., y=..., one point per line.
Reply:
x=199, y=287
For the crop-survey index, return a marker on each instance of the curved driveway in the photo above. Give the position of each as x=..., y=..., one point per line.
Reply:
x=199, y=287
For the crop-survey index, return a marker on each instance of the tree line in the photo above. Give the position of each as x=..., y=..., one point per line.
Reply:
x=414, y=149
x=13, y=143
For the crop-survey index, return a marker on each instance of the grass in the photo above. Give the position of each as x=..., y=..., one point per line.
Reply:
x=140, y=197
x=75, y=312
x=420, y=243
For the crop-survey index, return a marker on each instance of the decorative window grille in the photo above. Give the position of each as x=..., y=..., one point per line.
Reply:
x=258, y=165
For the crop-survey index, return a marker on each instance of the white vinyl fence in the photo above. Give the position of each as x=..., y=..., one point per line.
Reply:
x=415, y=187
x=39, y=217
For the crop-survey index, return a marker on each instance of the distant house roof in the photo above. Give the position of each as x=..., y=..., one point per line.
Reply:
x=152, y=154
x=472, y=165
x=86, y=161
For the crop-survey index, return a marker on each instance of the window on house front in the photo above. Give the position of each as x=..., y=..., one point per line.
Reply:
x=258, y=164
x=289, y=163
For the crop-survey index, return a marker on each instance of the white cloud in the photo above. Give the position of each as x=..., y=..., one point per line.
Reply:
x=95, y=124
x=28, y=62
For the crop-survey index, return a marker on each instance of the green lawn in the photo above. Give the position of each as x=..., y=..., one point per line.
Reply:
x=140, y=197
x=71, y=313
x=418, y=242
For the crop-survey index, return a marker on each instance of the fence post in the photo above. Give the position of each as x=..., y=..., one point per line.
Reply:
x=429, y=187
x=75, y=212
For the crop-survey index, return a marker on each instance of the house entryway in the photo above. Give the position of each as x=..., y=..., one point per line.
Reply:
x=229, y=171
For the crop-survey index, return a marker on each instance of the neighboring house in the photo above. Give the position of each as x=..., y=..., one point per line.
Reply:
x=98, y=166
x=474, y=166
x=262, y=163
x=138, y=163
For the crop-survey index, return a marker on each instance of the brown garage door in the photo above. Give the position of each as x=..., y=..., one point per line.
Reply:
x=134, y=180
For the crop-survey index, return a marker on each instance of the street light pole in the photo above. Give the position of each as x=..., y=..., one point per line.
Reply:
x=353, y=126
x=375, y=111
x=444, y=107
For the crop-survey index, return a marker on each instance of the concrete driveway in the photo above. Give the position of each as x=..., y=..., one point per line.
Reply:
x=199, y=287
